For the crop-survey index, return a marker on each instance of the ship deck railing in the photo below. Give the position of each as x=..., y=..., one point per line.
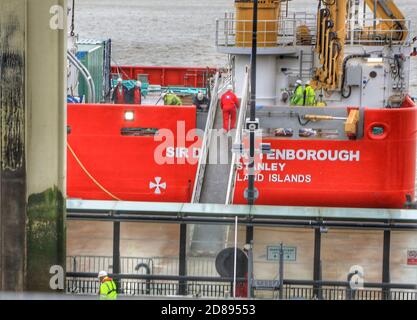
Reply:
x=300, y=29
x=371, y=32
x=283, y=32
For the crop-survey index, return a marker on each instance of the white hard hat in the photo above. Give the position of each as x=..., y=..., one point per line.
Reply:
x=308, y=83
x=120, y=80
x=200, y=95
x=102, y=274
x=229, y=87
x=138, y=84
x=246, y=247
x=299, y=82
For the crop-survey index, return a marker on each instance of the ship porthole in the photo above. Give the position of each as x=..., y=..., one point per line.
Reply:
x=378, y=131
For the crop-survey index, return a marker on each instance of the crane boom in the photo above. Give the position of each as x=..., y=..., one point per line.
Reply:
x=392, y=18
x=332, y=31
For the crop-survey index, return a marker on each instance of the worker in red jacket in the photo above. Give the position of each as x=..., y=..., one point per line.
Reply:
x=229, y=105
x=136, y=93
x=120, y=92
x=242, y=287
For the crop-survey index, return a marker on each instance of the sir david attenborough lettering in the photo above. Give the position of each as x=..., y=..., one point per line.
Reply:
x=312, y=155
x=276, y=166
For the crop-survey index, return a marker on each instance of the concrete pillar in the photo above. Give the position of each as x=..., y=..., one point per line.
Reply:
x=33, y=142
x=12, y=144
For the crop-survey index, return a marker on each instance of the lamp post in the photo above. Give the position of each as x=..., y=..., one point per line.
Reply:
x=252, y=125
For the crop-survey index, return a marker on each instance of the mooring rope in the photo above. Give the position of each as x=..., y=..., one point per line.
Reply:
x=90, y=176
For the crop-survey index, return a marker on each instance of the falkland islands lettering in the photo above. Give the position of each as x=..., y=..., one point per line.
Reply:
x=265, y=168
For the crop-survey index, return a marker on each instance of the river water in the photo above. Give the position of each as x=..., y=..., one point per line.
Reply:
x=168, y=32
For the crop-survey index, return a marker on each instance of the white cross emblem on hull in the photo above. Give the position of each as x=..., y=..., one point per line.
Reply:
x=157, y=185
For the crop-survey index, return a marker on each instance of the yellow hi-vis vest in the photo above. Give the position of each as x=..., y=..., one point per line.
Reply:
x=171, y=99
x=108, y=290
x=310, y=96
x=297, y=98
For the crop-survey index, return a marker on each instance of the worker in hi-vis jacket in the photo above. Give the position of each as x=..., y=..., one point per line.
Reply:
x=108, y=289
x=309, y=95
x=297, y=98
x=171, y=99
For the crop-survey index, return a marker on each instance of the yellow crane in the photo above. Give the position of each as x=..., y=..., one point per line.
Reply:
x=332, y=28
x=330, y=43
x=392, y=20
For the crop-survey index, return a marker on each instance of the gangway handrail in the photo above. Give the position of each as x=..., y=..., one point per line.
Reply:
x=86, y=74
x=206, y=141
x=238, y=137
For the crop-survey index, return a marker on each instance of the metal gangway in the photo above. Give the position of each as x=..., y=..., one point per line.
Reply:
x=214, y=182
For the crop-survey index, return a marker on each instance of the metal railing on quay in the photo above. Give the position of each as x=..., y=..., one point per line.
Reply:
x=196, y=266
x=77, y=286
x=152, y=285
x=340, y=290
x=216, y=287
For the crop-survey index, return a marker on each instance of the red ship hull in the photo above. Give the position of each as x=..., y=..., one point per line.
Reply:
x=375, y=171
x=168, y=76
x=103, y=164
